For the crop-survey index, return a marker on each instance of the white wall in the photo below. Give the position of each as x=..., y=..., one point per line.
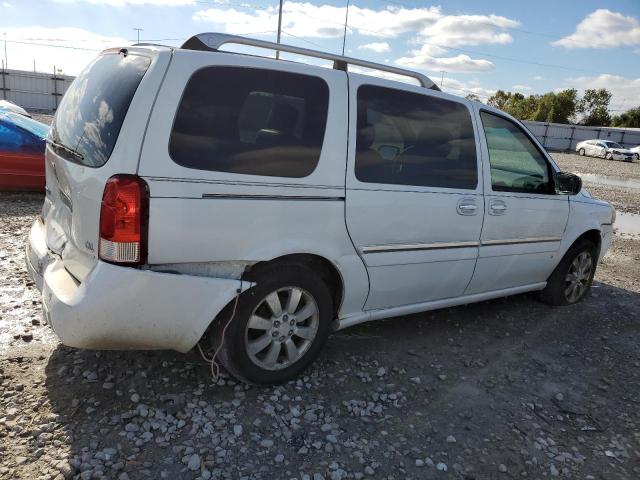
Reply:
x=557, y=136
x=33, y=90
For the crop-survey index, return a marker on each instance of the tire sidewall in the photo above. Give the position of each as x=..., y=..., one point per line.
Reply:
x=581, y=152
x=266, y=282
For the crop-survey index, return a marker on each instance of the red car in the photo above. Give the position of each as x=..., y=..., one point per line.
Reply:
x=22, y=144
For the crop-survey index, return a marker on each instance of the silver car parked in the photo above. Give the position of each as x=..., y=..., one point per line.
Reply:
x=605, y=149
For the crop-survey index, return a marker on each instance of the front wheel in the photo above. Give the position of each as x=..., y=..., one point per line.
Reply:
x=581, y=152
x=609, y=156
x=279, y=327
x=571, y=280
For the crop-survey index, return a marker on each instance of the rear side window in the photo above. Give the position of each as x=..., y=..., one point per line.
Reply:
x=405, y=138
x=250, y=121
x=90, y=116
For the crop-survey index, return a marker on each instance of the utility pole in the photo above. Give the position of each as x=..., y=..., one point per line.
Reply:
x=6, y=60
x=138, y=30
x=442, y=77
x=344, y=36
x=279, y=28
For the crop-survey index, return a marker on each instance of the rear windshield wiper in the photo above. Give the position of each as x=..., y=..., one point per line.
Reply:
x=68, y=150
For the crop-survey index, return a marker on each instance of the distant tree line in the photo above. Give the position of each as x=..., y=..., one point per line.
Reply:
x=566, y=106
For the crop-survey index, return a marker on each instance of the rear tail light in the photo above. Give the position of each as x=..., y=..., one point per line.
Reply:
x=124, y=218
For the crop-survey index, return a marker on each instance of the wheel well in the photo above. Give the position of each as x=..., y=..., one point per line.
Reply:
x=593, y=236
x=320, y=265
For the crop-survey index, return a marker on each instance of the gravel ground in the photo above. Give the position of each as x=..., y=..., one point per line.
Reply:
x=597, y=171
x=503, y=389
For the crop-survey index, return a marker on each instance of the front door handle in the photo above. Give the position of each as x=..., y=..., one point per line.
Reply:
x=467, y=206
x=497, y=207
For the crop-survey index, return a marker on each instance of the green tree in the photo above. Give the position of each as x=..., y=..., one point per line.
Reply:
x=556, y=107
x=594, y=106
x=473, y=97
x=499, y=99
x=515, y=104
x=628, y=119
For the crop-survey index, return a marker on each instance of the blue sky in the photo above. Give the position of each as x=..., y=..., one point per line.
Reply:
x=531, y=47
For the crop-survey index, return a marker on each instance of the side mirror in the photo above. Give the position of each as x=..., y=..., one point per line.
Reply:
x=567, y=183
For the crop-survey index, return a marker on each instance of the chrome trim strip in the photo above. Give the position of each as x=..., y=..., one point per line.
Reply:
x=395, y=247
x=515, y=241
x=416, y=246
x=273, y=197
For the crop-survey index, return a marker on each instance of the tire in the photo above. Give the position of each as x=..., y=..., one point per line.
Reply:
x=259, y=367
x=636, y=156
x=581, y=152
x=609, y=156
x=557, y=291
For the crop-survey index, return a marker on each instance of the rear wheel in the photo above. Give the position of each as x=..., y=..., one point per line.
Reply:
x=571, y=280
x=280, y=326
x=581, y=152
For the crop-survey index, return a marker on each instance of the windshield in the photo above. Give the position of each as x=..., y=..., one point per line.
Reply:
x=88, y=121
x=32, y=126
x=612, y=145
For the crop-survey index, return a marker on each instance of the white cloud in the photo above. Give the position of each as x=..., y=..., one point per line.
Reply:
x=25, y=44
x=603, y=29
x=521, y=87
x=425, y=59
x=462, y=89
x=623, y=89
x=378, y=47
x=538, y=77
x=429, y=24
x=456, y=30
x=6, y=5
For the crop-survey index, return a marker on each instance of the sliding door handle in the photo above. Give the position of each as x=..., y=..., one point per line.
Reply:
x=497, y=207
x=467, y=206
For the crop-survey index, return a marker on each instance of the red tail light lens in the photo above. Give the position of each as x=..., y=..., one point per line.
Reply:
x=124, y=218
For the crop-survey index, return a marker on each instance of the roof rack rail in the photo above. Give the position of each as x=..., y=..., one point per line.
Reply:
x=213, y=41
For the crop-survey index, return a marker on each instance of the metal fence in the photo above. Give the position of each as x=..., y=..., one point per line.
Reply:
x=33, y=90
x=557, y=136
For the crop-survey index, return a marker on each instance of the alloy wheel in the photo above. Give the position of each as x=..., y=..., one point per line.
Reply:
x=578, y=277
x=281, y=328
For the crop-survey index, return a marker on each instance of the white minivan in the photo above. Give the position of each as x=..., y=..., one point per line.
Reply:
x=195, y=195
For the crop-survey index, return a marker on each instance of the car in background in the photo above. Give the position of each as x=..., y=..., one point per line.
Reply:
x=22, y=144
x=604, y=149
x=636, y=152
x=7, y=106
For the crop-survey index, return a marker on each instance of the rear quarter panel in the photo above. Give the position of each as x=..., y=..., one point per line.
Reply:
x=199, y=216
